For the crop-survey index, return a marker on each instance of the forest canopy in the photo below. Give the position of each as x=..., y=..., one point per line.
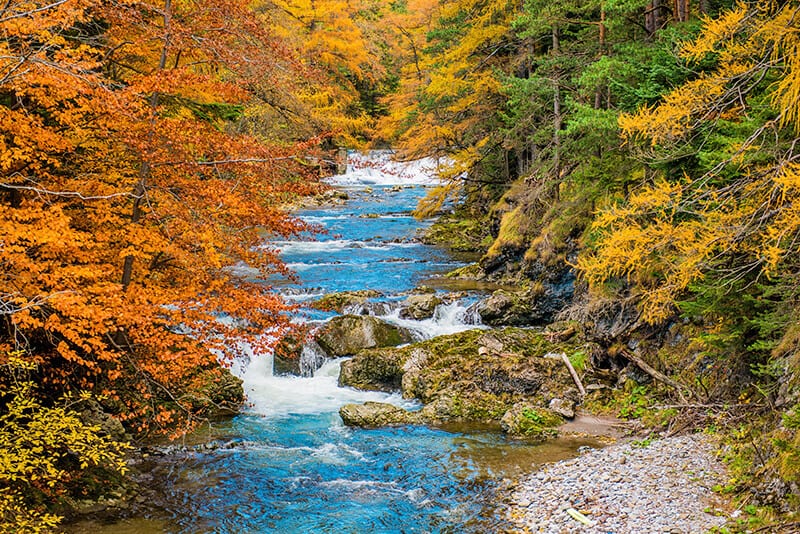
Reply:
x=148, y=151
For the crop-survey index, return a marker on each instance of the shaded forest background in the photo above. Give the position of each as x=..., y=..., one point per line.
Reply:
x=643, y=153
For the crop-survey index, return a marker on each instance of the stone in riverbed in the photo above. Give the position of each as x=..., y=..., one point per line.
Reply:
x=345, y=335
x=564, y=408
x=473, y=376
x=339, y=301
x=420, y=307
x=525, y=419
x=380, y=371
x=286, y=358
x=375, y=414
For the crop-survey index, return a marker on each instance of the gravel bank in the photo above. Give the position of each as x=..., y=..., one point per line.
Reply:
x=663, y=487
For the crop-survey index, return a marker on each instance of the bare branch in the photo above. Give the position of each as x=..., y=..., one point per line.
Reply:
x=32, y=11
x=74, y=194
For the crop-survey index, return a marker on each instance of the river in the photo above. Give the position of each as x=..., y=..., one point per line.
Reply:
x=288, y=464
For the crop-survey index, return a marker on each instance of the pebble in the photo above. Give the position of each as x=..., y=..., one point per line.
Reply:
x=661, y=487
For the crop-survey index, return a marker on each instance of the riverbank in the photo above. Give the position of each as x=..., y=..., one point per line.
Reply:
x=660, y=486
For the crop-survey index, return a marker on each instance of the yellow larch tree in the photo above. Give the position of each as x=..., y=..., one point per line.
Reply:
x=737, y=218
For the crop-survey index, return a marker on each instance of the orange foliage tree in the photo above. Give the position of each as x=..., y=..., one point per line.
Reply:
x=129, y=198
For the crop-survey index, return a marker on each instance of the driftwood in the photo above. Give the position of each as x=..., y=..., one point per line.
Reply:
x=574, y=374
x=661, y=377
x=579, y=517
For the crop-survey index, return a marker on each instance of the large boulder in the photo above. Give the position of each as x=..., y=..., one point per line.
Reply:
x=375, y=414
x=345, y=335
x=475, y=376
x=377, y=370
x=512, y=308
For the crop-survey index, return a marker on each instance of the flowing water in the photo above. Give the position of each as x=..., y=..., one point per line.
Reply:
x=289, y=465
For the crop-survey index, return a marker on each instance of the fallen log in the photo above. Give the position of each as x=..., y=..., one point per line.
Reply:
x=661, y=377
x=574, y=374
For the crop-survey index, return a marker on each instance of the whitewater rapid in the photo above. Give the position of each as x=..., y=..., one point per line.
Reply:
x=352, y=250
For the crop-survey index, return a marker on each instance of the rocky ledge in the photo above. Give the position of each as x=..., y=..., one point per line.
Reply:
x=515, y=378
x=663, y=486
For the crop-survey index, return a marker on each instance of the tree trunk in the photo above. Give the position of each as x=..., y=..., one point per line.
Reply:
x=144, y=170
x=649, y=19
x=557, y=120
x=681, y=10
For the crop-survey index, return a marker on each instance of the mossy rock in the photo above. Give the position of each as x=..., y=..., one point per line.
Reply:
x=476, y=375
x=376, y=414
x=458, y=233
x=93, y=413
x=346, y=335
x=514, y=308
x=525, y=419
x=339, y=301
x=374, y=370
x=222, y=396
x=473, y=271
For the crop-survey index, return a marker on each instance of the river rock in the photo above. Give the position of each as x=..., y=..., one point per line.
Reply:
x=375, y=414
x=339, y=301
x=374, y=371
x=345, y=335
x=476, y=375
x=420, y=306
x=564, y=408
x=92, y=413
x=526, y=419
x=511, y=308
x=286, y=357
x=223, y=394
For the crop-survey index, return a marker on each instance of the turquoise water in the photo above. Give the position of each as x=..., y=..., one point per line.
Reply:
x=289, y=465
x=310, y=474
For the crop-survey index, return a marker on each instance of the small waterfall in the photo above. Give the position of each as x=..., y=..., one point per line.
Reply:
x=448, y=318
x=377, y=252
x=311, y=358
x=371, y=308
x=279, y=396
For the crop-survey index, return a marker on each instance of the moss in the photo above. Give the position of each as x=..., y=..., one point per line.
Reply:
x=513, y=226
x=525, y=419
x=538, y=421
x=373, y=370
x=459, y=233
x=472, y=271
x=338, y=301
x=480, y=406
x=476, y=375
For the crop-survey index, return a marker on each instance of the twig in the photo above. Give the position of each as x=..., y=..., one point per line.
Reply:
x=701, y=406
x=777, y=527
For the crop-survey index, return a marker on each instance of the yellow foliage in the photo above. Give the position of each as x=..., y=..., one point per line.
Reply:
x=653, y=245
x=41, y=449
x=669, y=235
